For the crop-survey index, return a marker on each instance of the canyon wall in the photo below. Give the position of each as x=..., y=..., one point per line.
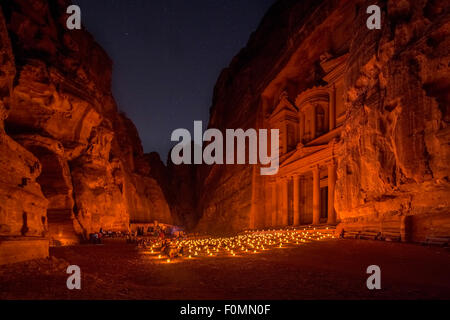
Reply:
x=393, y=161
x=181, y=189
x=227, y=200
x=19, y=170
x=70, y=162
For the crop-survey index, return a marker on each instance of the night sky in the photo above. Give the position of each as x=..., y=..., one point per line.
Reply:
x=168, y=55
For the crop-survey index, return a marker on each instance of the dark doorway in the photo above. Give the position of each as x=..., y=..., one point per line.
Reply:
x=324, y=203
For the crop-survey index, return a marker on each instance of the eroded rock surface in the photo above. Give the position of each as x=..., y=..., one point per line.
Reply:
x=393, y=165
x=70, y=162
x=22, y=204
x=395, y=158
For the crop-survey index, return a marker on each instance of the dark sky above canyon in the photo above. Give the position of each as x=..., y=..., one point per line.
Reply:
x=168, y=55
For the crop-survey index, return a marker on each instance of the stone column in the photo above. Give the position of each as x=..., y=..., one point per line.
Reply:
x=274, y=205
x=285, y=202
x=296, y=199
x=279, y=202
x=332, y=113
x=331, y=185
x=316, y=195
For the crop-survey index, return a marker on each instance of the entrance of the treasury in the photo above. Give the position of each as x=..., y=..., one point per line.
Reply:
x=324, y=204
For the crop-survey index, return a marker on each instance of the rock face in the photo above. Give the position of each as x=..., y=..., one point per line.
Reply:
x=393, y=161
x=395, y=156
x=180, y=186
x=233, y=196
x=70, y=163
x=19, y=168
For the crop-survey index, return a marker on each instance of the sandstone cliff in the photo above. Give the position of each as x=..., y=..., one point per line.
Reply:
x=395, y=157
x=393, y=169
x=70, y=162
x=180, y=184
x=229, y=192
x=19, y=168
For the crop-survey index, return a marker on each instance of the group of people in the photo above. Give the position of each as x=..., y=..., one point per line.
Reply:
x=97, y=237
x=166, y=246
x=155, y=230
x=161, y=236
x=155, y=235
x=159, y=231
x=170, y=250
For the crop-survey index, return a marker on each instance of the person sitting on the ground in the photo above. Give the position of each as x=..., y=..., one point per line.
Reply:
x=94, y=238
x=165, y=247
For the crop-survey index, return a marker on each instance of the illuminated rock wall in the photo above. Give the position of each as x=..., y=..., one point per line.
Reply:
x=70, y=162
x=22, y=204
x=392, y=166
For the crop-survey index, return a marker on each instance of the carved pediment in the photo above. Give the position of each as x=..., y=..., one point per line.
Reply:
x=284, y=105
x=312, y=95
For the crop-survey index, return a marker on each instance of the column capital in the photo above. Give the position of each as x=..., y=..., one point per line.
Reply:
x=331, y=163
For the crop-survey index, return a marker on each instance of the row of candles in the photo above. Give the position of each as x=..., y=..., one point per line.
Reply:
x=239, y=245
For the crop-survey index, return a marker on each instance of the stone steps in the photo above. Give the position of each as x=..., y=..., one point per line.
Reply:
x=392, y=235
x=437, y=241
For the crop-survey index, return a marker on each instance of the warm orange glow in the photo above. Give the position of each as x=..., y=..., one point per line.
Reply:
x=249, y=242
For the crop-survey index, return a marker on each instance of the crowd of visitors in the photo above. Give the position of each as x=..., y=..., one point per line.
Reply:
x=163, y=237
x=97, y=237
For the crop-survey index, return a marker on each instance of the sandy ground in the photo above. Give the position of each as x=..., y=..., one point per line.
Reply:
x=331, y=269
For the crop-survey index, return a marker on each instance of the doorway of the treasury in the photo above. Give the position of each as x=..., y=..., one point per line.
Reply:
x=324, y=204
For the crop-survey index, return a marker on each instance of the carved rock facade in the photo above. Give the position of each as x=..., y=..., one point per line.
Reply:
x=363, y=118
x=70, y=162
